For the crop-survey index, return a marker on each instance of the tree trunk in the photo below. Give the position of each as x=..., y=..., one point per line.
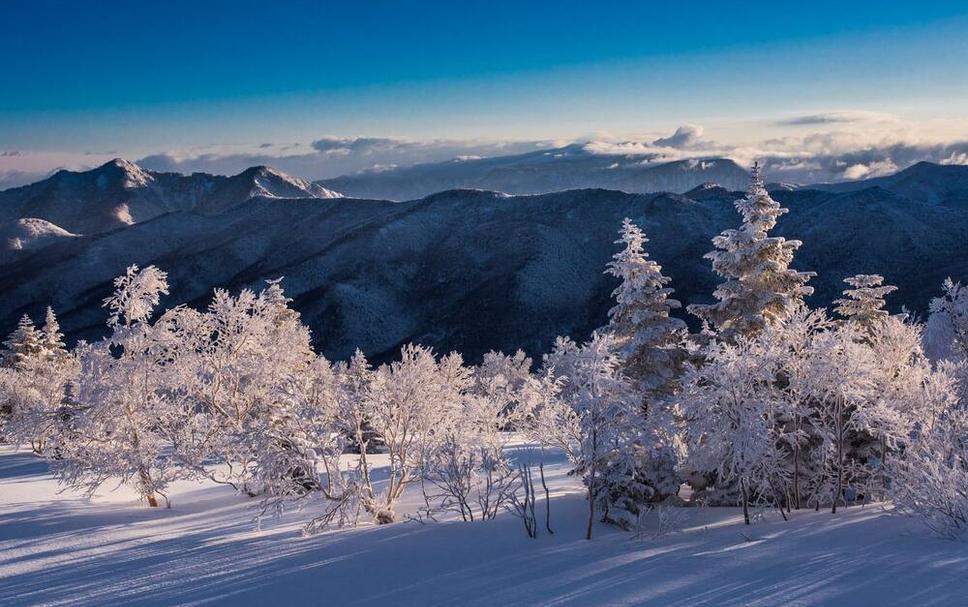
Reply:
x=746, y=501
x=591, y=485
x=547, y=499
x=796, y=477
x=146, y=484
x=840, y=461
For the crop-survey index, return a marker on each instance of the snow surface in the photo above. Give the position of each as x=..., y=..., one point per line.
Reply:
x=61, y=549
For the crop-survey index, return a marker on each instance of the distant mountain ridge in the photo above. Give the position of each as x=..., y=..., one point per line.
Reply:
x=543, y=171
x=120, y=193
x=475, y=270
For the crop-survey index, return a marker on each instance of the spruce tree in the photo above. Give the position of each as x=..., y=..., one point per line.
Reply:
x=24, y=344
x=760, y=285
x=649, y=341
x=864, y=303
x=51, y=337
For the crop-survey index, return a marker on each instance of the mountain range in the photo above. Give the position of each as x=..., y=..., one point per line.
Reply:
x=542, y=171
x=120, y=193
x=469, y=270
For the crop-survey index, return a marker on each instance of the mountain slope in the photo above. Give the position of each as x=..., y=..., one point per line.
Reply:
x=542, y=171
x=120, y=193
x=473, y=270
x=924, y=181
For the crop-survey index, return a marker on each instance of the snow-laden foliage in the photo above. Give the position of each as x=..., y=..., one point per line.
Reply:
x=760, y=285
x=930, y=478
x=595, y=420
x=35, y=380
x=733, y=407
x=774, y=405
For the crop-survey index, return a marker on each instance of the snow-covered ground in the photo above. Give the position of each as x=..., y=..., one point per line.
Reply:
x=61, y=549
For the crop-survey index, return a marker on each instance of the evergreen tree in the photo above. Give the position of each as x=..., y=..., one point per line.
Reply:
x=864, y=303
x=52, y=338
x=651, y=351
x=649, y=342
x=760, y=285
x=24, y=344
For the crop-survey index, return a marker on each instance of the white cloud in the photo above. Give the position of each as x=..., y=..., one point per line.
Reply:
x=959, y=158
x=839, y=117
x=687, y=135
x=874, y=169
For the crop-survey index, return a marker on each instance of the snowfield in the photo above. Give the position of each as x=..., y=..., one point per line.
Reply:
x=62, y=549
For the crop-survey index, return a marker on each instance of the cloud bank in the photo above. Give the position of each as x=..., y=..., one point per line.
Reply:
x=811, y=147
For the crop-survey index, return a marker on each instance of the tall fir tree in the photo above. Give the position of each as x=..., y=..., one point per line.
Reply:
x=51, y=336
x=650, y=343
x=651, y=351
x=760, y=285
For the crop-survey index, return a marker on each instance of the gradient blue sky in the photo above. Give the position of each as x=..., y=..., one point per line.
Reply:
x=138, y=78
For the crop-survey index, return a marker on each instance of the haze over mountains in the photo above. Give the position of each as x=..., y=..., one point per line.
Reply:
x=462, y=269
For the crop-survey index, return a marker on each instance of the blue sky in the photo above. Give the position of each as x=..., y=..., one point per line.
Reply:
x=206, y=78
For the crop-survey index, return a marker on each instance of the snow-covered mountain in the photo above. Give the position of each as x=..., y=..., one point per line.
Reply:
x=922, y=181
x=120, y=193
x=570, y=167
x=474, y=270
x=30, y=233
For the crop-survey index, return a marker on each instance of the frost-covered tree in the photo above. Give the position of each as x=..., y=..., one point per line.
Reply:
x=468, y=471
x=733, y=409
x=239, y=355
x=52, y=338
x=930, y=476
x=946, y=333
x=122, y=397
x=594, y=420
x=24, y=343
x=37, y=389
x=864, y=303
x=649, y=342
x=791, y=340
x=951, y=312
x=842, y=380
x=651, y=348
x=410, y=401
x=759, y=284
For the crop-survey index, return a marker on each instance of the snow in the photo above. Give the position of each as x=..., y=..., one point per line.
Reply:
x=61, y=549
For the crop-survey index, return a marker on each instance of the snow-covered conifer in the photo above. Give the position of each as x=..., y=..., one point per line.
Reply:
x=760, y=285
x=25, y=343
x=53, y=339
x=864, y=301
x=649, y=342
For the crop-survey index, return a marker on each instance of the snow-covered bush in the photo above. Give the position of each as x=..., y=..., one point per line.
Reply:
x=733, y=409
x=594, y=420
x=930, y=477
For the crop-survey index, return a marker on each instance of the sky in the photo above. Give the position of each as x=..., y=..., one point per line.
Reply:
x=325, y=88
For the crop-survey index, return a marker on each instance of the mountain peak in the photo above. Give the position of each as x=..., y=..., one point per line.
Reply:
x=133, y=175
